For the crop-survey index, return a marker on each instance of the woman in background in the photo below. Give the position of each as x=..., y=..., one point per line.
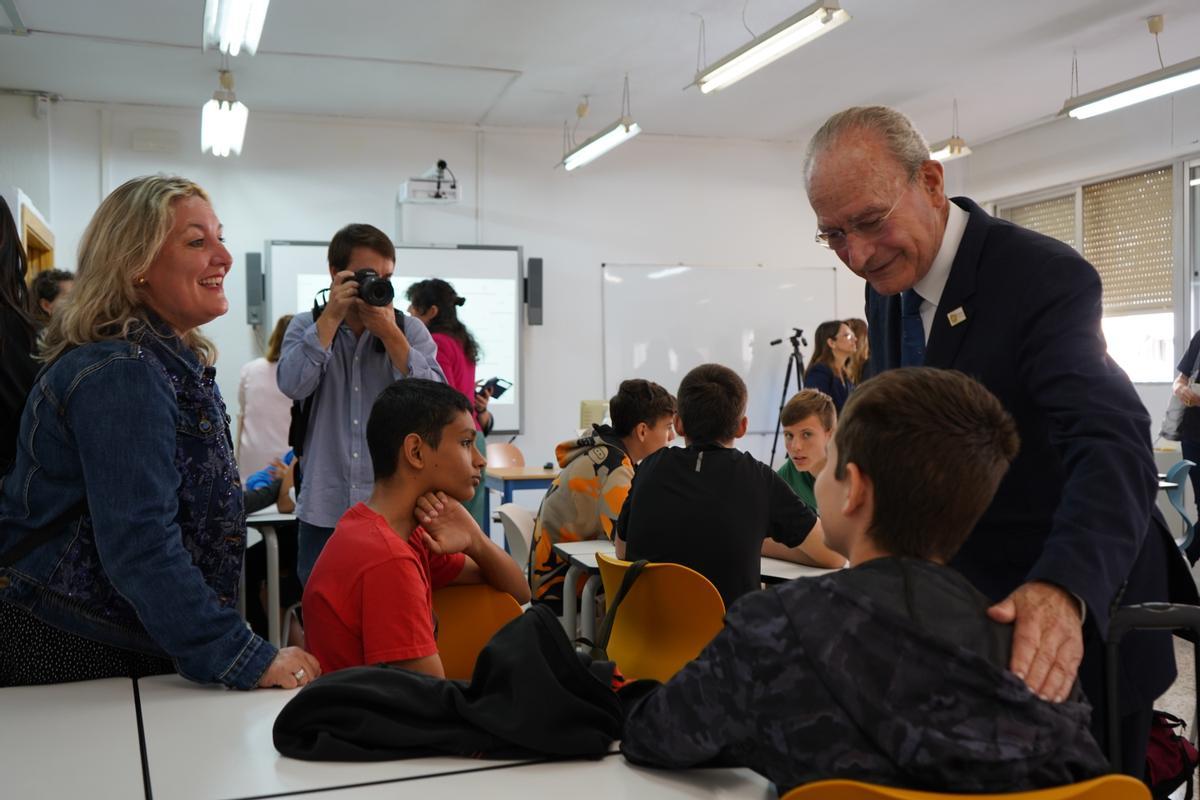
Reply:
x=18, y=334
x=434, y=302
x=862, y=349
x=121, y=524
x=50, y=288
x=266, y=412
x=828, y=371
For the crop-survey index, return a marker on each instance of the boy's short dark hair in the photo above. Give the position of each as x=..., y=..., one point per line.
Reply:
x=359, y=235
x=935, y=444
x=809, y=403
x=637, y=401
x=411, y=405
x=712, y=401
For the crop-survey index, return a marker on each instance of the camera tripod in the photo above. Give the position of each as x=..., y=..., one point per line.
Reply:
x=794, y=360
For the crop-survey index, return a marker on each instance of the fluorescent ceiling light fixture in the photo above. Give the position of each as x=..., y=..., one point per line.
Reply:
x=1154, y=84
x=815, y=20
x=950, y=149
x=666, y=273
x=619, y=132
x=223, y=120
x=231, y=25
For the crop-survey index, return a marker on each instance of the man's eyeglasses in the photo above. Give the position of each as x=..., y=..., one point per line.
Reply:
x=869, y=229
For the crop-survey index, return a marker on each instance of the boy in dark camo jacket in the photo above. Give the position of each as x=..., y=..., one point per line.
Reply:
x=891, y=671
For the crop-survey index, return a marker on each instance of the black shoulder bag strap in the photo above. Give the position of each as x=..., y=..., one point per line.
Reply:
x=600, y=646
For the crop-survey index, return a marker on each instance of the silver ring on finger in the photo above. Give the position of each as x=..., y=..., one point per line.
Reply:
x=299, y=674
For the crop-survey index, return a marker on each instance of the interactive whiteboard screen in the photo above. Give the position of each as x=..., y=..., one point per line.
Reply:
x=662, y=320
x=490, y=278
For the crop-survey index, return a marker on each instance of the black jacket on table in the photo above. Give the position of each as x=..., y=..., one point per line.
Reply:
x=531, y=695
x=1076, y=507
x=889, y=673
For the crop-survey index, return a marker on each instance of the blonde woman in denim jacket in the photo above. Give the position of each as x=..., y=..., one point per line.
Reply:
x=121, y=523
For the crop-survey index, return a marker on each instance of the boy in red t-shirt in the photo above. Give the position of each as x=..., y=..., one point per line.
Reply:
x=369, y=598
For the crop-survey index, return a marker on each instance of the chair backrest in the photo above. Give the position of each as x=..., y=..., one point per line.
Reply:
x=666, y=619
x=467, y=617
x=518, y=531
x=504, y=454
x=1178, y=474
x=1106, y=787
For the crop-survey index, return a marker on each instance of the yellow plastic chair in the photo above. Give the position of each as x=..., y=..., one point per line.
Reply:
x=1106, y=787
x=504, y=454
x=468, y=616
x=665, y=620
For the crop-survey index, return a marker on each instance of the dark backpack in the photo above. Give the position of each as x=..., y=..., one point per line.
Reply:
x=1170, y=757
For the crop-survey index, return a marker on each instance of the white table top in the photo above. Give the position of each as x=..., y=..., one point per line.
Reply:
x=70, y=740
x=583, y=555
x=269, y=516
x=208, y=742
x=776, y=569
x=611, y=778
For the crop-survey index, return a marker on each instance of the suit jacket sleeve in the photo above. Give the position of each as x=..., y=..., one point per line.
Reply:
x=1097, y=425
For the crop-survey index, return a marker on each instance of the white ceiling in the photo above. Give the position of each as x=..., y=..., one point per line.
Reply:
x=526, y=63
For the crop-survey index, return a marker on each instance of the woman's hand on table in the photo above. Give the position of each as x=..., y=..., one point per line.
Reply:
x=291, y=669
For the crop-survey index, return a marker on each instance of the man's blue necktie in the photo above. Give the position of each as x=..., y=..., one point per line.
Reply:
x=912, y=332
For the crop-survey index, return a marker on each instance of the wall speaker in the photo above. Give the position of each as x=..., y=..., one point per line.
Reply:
x=255, y=289
x=533, y=291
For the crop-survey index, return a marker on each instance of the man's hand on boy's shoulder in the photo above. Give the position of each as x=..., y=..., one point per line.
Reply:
x=449, y=528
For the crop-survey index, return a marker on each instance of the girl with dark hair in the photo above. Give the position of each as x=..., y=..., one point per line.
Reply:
x=829, y=369
x=18, y=336
x=434, y=302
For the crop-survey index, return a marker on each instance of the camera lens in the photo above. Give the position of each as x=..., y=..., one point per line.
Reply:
x=374, y=290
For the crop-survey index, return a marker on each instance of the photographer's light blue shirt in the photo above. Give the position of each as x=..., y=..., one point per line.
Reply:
x=346, y=378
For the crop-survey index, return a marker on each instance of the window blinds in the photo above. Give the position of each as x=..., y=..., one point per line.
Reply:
x=1127, y=227
x=1054, y=217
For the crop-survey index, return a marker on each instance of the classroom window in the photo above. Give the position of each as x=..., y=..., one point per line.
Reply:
x=1054, y=217
x=1124, y=227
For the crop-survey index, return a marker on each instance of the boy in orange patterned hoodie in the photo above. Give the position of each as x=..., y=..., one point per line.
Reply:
x=585, y=499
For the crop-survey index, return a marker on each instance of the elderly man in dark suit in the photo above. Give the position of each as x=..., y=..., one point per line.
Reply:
x=1073, y=529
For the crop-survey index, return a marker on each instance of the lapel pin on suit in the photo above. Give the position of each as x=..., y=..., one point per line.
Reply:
x=956, y=316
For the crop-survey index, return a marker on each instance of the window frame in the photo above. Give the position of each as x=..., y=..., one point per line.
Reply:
x=1185, y=284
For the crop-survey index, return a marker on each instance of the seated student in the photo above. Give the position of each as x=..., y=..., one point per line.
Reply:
x=369, y=598
x=890, y=672
x=586, y=497
x=807, y=421
x=711, y=507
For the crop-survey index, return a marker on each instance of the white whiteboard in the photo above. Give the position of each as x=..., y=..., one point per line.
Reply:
x=489, y=277
x=662, y=320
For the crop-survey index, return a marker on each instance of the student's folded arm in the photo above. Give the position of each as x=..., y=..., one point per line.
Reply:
x=708, y=708
x=811, y=552
x=429, y=665
x=796, y=529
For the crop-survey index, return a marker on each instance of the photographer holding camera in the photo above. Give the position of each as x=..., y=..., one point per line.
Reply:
x=336, y=360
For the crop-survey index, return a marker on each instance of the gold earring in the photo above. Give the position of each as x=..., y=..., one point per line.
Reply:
x=140, y=281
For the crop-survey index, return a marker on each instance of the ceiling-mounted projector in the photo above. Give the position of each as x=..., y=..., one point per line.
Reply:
x=435, y=185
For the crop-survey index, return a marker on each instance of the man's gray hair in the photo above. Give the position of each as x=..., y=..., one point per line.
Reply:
x=902, y=138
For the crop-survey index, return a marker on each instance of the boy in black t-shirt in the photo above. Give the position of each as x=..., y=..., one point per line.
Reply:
x=711, y=507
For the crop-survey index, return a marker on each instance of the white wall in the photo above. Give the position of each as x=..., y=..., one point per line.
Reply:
x=25, y=150
x=656, y=199
x=1066, y=150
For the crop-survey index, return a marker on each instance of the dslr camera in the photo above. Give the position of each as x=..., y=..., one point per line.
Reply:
x=373, y=289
